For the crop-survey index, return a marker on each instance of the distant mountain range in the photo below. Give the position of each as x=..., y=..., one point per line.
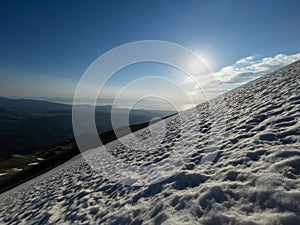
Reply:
x=27, y=126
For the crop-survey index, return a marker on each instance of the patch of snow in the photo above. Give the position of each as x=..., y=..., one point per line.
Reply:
x=32, y=164
x=16, y=169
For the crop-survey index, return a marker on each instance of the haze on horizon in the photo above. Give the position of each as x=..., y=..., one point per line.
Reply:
x=47, y=46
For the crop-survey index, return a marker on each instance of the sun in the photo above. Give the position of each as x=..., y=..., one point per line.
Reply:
x=199, y=65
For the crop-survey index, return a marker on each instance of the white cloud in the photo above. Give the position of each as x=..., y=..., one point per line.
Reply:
x=249, y=68
x=241, y=72
x=245, y=60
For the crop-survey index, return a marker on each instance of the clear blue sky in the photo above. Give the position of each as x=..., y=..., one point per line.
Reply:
x=59, y=39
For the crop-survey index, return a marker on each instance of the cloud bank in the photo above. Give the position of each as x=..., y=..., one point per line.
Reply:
x=241, y=72
x=250, y=68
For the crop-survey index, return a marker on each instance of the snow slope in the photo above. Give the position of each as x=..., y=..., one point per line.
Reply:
x=254, y=178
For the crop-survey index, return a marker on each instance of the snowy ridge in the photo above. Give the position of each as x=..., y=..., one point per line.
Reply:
x=254, y=179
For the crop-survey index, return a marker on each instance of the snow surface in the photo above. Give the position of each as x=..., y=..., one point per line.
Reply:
x=254, y=177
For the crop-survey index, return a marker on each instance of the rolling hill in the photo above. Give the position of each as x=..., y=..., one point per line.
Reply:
x=27, y=126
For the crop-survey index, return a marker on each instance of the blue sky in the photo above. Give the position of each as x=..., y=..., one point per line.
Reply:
x=45, y=46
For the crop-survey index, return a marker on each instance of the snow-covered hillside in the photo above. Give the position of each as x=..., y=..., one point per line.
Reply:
x=254, y=178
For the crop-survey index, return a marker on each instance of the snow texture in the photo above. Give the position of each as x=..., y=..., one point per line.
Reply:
x=254, y=178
